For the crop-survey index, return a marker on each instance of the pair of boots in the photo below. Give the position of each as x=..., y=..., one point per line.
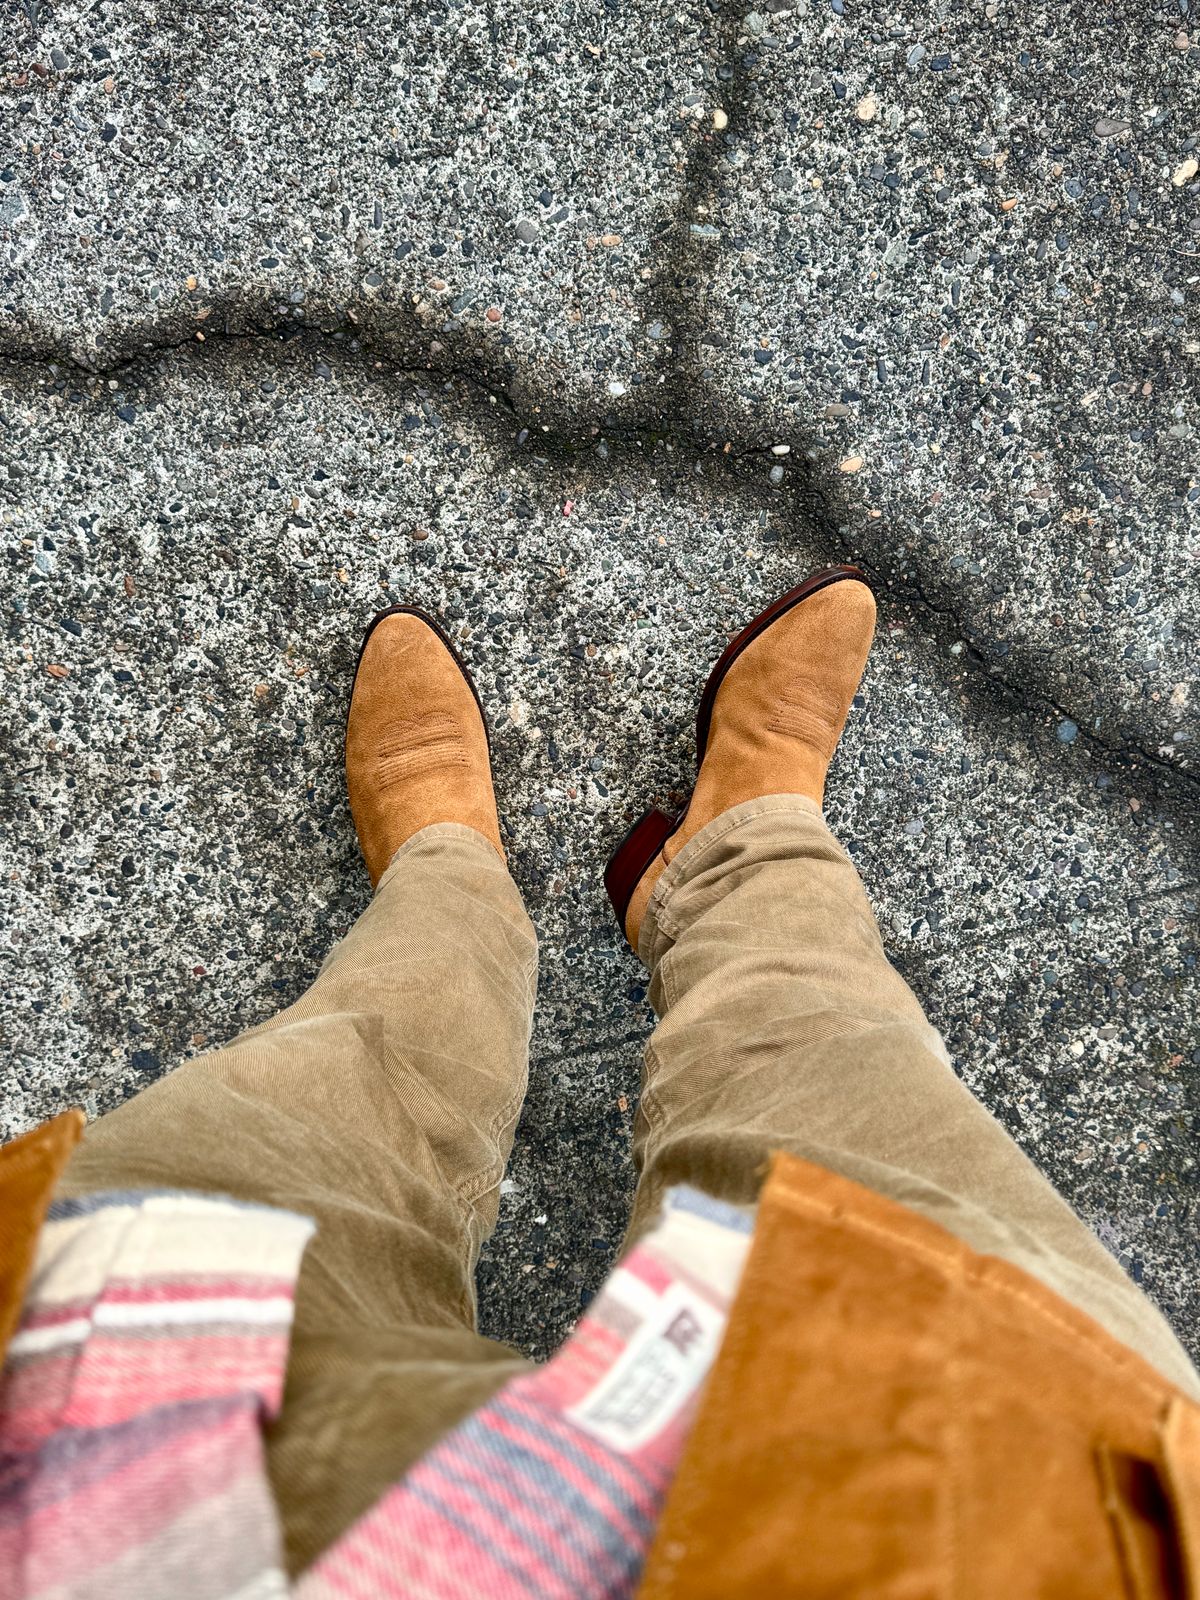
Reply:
x=769, y=720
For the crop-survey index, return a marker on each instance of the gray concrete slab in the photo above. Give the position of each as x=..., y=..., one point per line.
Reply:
x=195, y=541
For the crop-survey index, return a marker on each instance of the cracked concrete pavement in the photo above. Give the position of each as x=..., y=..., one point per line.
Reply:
x=962, y=263
x=225, y=444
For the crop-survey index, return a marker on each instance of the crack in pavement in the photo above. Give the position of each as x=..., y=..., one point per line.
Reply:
x=1124, y=750
x=686, y=408
x=809, y=500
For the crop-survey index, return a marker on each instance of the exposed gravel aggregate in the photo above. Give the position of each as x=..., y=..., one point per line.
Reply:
x=976, y=307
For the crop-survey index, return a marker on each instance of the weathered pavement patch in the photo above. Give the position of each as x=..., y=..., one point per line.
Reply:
x=196, y=544
x=949, y=264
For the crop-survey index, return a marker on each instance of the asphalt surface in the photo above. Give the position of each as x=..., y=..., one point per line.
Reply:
x=591, y=336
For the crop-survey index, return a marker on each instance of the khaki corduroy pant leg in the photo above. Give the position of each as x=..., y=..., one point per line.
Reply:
x=782, y=1026
x=382, y=1104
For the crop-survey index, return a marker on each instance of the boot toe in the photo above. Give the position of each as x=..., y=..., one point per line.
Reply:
x=416, y=741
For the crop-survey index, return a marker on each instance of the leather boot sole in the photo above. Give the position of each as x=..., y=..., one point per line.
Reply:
x=641, y=846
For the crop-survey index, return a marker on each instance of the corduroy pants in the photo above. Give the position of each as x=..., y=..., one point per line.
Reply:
x=383, y=1104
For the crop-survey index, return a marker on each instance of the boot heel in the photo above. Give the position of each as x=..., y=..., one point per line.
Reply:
x=629, y=861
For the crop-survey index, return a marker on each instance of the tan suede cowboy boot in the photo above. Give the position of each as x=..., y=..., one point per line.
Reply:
x=770, y=717
x=416, y=739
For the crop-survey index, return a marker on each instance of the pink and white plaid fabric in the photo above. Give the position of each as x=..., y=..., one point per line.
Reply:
x=152, y=1347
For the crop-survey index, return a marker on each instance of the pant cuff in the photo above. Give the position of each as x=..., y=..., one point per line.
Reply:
x=693, y=856
x=436, y=833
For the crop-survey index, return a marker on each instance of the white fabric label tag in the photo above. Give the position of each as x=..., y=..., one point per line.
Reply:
x=656, y=1374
